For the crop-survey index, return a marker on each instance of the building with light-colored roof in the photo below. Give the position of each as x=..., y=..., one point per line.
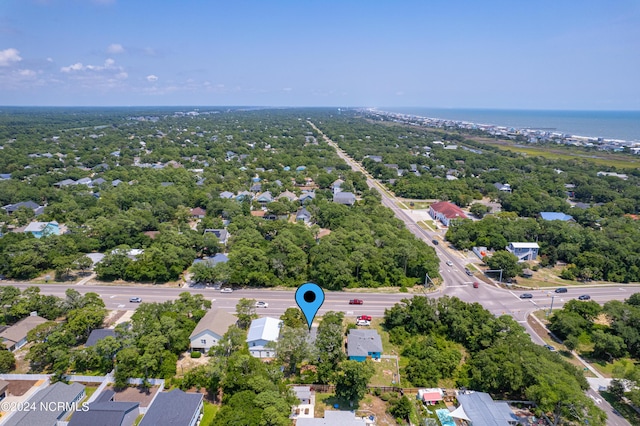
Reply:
x=210, y=329
x=524, y=251
x=261, y=332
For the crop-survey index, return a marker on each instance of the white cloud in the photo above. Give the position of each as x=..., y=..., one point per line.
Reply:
x=152, y=78
x=115, y=48
x=75, y=67
x=9, y=56
x=49, y=59
x=27, y=73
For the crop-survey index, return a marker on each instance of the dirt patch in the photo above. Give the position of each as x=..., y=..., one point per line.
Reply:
x=113, y=318
x=186, y=363
x=373, y=404
x=134, y=394
x=20, y=387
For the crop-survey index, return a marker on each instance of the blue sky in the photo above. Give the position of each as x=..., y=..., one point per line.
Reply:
x=546, y=54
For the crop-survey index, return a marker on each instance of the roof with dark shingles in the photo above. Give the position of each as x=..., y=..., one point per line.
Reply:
x=99, y=334
x=103, y=414
x=172, y=409
x=49, y=397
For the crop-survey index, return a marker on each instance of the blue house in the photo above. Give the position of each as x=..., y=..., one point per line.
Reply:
x=556, y=216
x=43, y=229
x=363, y=344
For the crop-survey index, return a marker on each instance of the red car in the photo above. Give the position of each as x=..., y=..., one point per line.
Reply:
x=476, y=284
x=356, y=302
x=363, y=318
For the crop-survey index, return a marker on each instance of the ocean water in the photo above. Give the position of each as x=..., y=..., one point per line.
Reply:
x=623, y=125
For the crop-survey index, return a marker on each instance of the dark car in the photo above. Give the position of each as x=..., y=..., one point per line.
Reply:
x=435, y=242
x=551, y=348
x=468, y=272
x=561, y=290
x=135, y=300
x=356, y=302
x=526, y=296
x=584, y=297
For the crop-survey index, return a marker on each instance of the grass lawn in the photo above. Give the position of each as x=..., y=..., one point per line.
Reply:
x=89, y=390
x=419, y=205
x=427, y=224
x=327, y=401
x=385, y=373
x=210, y=411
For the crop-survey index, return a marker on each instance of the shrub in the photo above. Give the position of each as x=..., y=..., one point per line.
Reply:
x=195, y=354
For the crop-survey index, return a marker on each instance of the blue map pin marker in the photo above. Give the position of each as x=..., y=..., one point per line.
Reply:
x=309, y=297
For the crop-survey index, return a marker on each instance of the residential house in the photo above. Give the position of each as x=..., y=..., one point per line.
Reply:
x=618, y=175
x=305, y=408
x=210, y=329
x=60, y=399
x=375, y=158
x=336, y=186
x=478, y=408
x=556, y=216
x=84, y=181
x=524, y=251
x=43, y=229
x=264, y=198
x=99, y=334
x=4, y=385
x=15, y=336
x=346, y=198
x=104, y=411
x=5, y=176
x=303, y=215
x=11, y=208
x=288, y=195
x=306, y=196
x=446, y=212
x=256, y=187
x=116, y=182
x=97, y=182
x=262, y=332
x=64, y=183
x=363, y=344
x=245, y=195
x=212, y=261
x=226, y=195
x=174, y=408
x=221, y=234
x=503, y=187
x=430, y=396
x=333, y=418
x=198, y=213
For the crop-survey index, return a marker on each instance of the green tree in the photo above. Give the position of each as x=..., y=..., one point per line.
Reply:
x=246, y=312
x=292, y=347
x=352, y=378
x=293, y=318
x=506, y=261
x=401, y=408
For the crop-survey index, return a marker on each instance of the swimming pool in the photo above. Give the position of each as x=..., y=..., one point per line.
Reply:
x=445, y=417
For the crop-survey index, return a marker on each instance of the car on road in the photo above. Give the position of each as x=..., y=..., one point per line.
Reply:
x=226, y=290
x=135, y=300
x=468, y=272
x=551, y=348
x=435, y=242
x=363, y=317
x=262, y=304
x=356, y=302
x=526, y=296
x=363, y=322
x=561, y=290
x=584, y=297
x=449, y=263
x=476, y=284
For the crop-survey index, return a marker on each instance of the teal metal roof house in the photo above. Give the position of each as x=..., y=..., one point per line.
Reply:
x=556, y=216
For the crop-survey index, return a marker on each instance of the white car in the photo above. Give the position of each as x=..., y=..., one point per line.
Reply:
x=262, y=305
x=363, y=322
x=449, y=263
x=226, y=290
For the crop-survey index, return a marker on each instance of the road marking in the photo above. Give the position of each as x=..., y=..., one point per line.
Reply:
x=111, y=297
x=596, y=400
x=120, y=306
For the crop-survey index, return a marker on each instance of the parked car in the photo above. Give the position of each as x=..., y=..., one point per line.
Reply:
x=476, y=284
x=363, y=317
x=356, y=302
x=584, y=297
x=262, y=305
x=526, y=296
x=226, y=290
x=449, y=263
x=135, y=300
x=561, y=290
x=551, y=348
x=363, y=322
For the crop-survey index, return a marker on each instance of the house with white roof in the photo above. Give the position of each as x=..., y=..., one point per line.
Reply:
x=307, y=402
x=261, y=332
x=524, y=251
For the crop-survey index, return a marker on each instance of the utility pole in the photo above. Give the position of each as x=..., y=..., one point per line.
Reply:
x=428, y=278
x=551, y=307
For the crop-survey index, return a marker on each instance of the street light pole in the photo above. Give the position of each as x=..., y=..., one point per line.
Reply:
x=551, y=307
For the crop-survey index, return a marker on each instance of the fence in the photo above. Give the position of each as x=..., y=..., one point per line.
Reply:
x=370, y=389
